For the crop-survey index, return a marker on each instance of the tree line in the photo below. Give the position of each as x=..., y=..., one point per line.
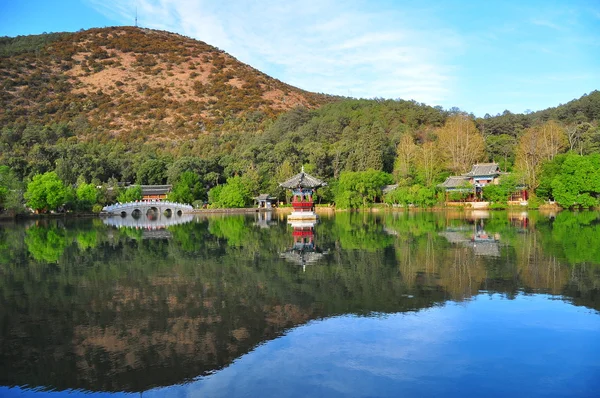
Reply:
x=357, y=146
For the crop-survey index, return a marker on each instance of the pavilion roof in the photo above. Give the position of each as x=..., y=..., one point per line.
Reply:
x=303, y=180
x=302, y=257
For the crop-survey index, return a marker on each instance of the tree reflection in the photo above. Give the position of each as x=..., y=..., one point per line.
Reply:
x=92, y=307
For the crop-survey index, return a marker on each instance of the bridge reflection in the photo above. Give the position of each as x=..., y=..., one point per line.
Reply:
x=153, y=226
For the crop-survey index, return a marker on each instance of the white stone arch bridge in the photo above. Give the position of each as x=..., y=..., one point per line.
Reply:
x=151, y=209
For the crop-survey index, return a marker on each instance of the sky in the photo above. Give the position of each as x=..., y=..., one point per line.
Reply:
x=480, y=56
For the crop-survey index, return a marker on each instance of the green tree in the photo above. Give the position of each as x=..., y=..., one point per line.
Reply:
x=187, y=188
x=501, y=149
x=130, y=194
x=152, y=171
x=87, y=196
x=578, y=183
x=498, y=193
x=234, y=194
x=416, y=195
x=46, y=192
x=11, y=190
x=548, y=172
x=360, y=188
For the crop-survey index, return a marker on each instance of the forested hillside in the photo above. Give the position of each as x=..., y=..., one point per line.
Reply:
x=130, y=83
x=148, y=107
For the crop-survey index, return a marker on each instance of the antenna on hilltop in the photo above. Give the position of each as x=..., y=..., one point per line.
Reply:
x=136, y=16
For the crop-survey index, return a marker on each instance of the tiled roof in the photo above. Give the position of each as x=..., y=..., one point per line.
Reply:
x=454, y=182
x=388, y=188
x=303, y=180
x=264, y=196
x=484, y=169
x=156, y=189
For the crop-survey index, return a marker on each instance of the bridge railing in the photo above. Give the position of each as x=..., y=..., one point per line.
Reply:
x=145, y=204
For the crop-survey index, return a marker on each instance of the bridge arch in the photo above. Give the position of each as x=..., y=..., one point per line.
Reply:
x=157, y=208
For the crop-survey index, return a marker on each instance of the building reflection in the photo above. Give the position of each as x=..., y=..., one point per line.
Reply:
x=485, y=243
x=304, y=250
x=474, y=236
x=264, y=219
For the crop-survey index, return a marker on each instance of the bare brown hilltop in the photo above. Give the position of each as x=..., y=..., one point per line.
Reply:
x=130, y=82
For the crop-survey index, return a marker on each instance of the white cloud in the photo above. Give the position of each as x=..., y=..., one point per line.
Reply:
x=317, y=45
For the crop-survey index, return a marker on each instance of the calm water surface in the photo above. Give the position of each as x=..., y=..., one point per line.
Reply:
x=359, y=305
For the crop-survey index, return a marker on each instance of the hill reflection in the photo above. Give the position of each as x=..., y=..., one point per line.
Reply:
x=87, y=306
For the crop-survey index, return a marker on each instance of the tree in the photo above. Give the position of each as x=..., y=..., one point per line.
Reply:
x=234, y=194
x=428, y=163
x=536, y=145
x=187, y=188
x=578, y=182
x=46, y=192
x=87, y=196
x=130, y=194
x=11, y=190
x=406, y=152
x=152, y=171
x=501, y=192
x=460, y=143
x=416, y=195
x=360, y=188
x=548, y=171
x=501, y=149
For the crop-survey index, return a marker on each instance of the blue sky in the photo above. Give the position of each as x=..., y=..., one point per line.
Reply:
x=481, y=56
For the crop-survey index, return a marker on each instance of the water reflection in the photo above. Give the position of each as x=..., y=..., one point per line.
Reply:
x=304, y=249
x=148, y=221
x=88, y=306
x=476, y=237
x=264, y=219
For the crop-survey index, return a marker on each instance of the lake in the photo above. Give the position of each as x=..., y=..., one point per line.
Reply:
x=357, y=305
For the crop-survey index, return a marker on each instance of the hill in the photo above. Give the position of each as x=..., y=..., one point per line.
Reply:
x=130, y=82
x=136, y=105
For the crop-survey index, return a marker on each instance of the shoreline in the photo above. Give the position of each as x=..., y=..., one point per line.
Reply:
x=286, y=210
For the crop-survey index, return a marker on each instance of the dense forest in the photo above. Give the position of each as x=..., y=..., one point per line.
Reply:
x=134, y=105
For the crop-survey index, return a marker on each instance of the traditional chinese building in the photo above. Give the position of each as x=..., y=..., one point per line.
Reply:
x=472, y=183
x=303, y=187
x=155, y=192
x=265, y=201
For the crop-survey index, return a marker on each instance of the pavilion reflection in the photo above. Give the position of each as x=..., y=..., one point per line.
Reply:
x=304, y=250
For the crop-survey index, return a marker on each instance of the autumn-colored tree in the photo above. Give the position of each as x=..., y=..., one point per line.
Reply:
x=537, y=145
x=406, y=152
x=428, y=163
x=460, y=143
